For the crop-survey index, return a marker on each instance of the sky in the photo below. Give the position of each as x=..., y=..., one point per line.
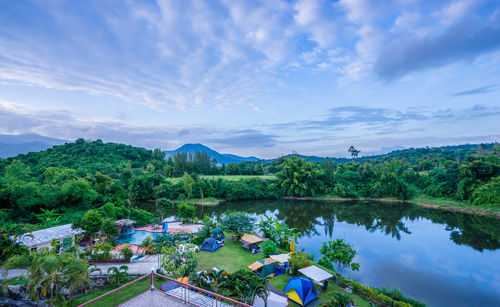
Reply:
x=262, y=78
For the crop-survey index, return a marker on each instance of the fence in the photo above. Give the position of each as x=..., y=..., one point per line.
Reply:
x=186, y=293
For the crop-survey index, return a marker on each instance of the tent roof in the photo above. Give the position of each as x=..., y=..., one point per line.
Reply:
x=315, y=273
x=255, y=266
x=281, y=258
x=251, y=238
x=217, y=230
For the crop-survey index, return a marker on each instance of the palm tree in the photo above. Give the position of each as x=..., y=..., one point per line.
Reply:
x=117, y=274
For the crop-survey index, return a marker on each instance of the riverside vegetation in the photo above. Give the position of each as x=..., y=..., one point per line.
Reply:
x=75, y=182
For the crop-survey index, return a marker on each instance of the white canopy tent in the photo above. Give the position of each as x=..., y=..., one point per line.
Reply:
x=281, y=258
x=315, y=273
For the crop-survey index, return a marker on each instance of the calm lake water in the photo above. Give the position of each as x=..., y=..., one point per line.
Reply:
x=441, y=258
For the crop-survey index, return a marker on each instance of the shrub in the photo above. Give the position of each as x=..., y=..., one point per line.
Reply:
x=269, y=247
x=126, y=253
x=238, y=222
x=299, y=260
x=186, y=212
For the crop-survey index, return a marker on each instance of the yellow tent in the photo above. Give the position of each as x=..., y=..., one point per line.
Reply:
x=292, y=295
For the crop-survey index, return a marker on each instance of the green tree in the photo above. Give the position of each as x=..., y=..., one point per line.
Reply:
x=188, y=182
x=126, y=252
x=354, y=152
x=341, y=254
x=269, y=247
x=109, y=229
x=186, y=212
x=238, y=222
x=91, y=223
x=298, y=177
x=117, y=275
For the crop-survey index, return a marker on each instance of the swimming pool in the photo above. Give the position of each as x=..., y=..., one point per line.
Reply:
x=137, y=237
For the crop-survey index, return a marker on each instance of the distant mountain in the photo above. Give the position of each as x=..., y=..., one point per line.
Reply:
x=221, y=158
x=14, y=144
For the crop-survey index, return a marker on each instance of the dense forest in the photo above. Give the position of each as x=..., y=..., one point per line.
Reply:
x=60, y=184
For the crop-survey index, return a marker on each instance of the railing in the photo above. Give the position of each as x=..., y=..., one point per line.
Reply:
x=186, y=293
x=115, y=298
x=189, y=294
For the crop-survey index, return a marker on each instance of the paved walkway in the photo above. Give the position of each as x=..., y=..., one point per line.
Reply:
x=154, y=298
x=141, y=267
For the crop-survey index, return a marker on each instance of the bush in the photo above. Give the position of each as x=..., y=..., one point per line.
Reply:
x=186, y=212
x=269, y=247
x=126, y=253
x=299, y=260
x=238, y=222
x=165, y=204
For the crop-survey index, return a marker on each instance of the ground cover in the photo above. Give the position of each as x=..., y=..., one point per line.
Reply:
x=122, y=296
x=232, y=257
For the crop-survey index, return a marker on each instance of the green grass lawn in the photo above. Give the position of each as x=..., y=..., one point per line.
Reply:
x=120, y=297
x=232, y=257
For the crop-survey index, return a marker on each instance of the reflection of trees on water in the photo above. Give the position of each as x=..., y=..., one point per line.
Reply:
x=478, y=232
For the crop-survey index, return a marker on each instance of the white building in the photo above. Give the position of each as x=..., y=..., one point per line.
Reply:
x=43, y=238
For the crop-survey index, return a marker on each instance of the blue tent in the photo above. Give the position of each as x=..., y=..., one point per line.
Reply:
x=210, y=244
x=301, y=290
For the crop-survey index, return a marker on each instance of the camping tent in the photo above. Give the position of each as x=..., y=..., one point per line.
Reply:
x=315, y=273
x=301, y=290
x=210, y=244
x=218, y=235
x=264, y=268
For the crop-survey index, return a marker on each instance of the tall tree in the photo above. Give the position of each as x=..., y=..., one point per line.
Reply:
x=354, y=152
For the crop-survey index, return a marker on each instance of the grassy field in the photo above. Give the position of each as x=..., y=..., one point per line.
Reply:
x=232, y=257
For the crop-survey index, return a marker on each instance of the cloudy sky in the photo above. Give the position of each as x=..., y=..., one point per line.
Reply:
x=261, y=78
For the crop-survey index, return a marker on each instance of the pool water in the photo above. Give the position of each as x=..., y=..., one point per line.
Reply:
x=137, y=236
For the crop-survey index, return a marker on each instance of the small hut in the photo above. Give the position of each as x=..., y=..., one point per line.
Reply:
x=252, y=242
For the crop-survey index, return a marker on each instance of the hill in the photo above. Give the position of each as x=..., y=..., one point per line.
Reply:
x=221, y=158
x=12, y=145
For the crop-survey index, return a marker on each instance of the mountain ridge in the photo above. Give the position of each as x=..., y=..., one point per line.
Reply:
x=192, y=148
x=15, y=144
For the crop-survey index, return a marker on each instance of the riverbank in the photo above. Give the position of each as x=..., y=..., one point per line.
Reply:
x=426, y=202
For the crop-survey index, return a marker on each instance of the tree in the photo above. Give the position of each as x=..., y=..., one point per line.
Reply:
x=186, y=212
x=126, y=252
x=177, y=264
x=354, y=152
x=298, y=177
x=341, y=254
x=238, y=222
x=91, y=222
x=188, y=184
x=117, y=275
x=269, y=247
x=109, y=229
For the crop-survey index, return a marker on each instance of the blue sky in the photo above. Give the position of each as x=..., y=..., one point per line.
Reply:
x=261, y=78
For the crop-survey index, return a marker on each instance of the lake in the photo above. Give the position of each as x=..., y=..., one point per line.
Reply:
x=441, y=258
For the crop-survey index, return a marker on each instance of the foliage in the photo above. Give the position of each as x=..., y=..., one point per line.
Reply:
x=269, y=247
x=278, y=231
x=49, y=273
x=126, y=252
x=397, y=295
x=186, y=212
x=298, y=177
x=91, y=222
x=109, y=229
x=299, y=260
x=176, y=264
x=339, y=300
x=341, y=254
x=238, y=222
x=244, y=286
x=116, y=275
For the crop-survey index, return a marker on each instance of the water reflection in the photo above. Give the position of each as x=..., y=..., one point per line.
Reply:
x=441, y=258
x=478, y=232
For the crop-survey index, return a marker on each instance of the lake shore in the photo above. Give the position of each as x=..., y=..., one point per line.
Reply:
x=426, y=204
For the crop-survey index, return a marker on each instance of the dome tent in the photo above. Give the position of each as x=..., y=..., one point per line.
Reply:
x=301, y=290
x=218, y=235
x=210, y=244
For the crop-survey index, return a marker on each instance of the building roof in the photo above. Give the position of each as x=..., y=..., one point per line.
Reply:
x=315, y=273
x=251, y=238
x=46, y=235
